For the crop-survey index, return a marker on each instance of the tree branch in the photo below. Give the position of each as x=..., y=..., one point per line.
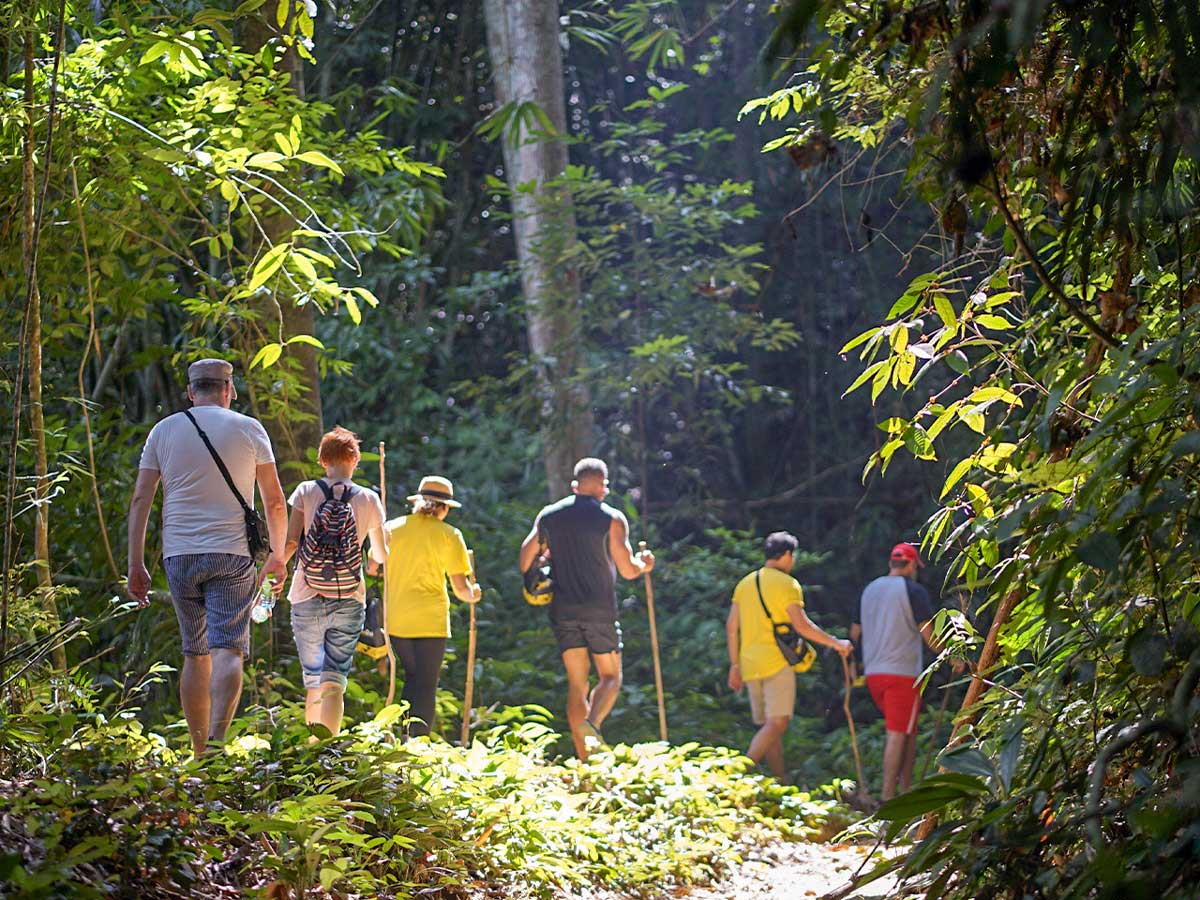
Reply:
x=997, y=193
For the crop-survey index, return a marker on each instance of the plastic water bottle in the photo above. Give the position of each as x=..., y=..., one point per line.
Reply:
x=265, y=602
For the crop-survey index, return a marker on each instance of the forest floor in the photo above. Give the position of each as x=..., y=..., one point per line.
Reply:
x=781, y=871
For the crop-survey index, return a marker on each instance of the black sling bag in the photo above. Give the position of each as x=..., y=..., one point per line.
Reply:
x=796, y=651
x=256, y=526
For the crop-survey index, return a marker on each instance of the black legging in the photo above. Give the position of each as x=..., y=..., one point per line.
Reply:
x=421, y=659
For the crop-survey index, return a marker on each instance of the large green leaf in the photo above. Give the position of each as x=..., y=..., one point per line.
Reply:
x=1102, y=551
x=933, y=793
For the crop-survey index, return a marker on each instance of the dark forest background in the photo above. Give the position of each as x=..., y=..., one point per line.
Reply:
x=718, y=286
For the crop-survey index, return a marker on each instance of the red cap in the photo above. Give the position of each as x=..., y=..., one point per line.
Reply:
x=906, y=553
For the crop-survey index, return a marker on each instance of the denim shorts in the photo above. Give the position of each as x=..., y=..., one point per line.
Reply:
x=326, y=633
x=212, y=594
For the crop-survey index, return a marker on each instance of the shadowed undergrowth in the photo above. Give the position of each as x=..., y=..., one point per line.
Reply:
x=98, y=804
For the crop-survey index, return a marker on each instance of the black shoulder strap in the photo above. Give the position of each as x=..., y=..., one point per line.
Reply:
x=758, y=587
x=220, y=463
x=325, y=489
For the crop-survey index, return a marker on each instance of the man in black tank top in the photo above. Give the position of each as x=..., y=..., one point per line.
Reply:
x=588, y=543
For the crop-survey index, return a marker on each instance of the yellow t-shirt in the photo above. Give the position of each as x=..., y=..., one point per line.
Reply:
x=759, y=657
x=422, y=551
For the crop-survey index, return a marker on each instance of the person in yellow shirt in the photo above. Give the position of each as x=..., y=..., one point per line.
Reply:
x=423, y=551
x=755, y=661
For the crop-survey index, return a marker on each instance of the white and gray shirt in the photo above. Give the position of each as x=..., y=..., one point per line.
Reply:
x=891, y=611
x=199, y=512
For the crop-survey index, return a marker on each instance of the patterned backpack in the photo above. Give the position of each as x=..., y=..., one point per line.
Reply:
x=330, y=551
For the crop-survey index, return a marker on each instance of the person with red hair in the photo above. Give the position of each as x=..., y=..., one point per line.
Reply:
x=331, y=517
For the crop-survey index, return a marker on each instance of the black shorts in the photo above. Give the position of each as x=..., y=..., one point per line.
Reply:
x=597, y=637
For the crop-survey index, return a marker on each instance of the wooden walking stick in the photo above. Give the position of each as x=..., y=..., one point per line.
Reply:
x=658, y=684
x=387, y=637
x=862, y=784
x=469, y=691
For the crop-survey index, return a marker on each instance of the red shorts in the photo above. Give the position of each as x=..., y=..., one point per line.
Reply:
x=898, y=699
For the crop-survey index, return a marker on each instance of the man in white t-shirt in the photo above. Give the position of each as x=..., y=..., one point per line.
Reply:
x=209, y=569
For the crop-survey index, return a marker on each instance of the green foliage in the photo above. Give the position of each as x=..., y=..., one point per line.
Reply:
x=702, y=360
x=1061, y=352
x=198, y=202
x=94, y=798
x=664, y=272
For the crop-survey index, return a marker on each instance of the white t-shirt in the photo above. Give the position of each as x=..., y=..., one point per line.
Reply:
x=199, y=512
x=368, y=515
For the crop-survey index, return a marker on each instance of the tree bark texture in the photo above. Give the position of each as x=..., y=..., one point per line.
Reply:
x=523, y=41
x=291, y=435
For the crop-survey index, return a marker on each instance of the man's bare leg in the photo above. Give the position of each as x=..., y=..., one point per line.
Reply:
x=774, y=759
x=194, y=698
x=225, y=689
x=578, y=666
x=894, y=751
x=604, y=695
x=767, y=744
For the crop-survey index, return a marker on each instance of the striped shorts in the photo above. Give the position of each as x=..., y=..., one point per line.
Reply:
x=212, y=594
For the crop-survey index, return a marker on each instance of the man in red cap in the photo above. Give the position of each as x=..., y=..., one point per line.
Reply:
x=893, y=617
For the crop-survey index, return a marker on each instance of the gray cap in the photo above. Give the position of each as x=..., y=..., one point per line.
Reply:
x=212, y=369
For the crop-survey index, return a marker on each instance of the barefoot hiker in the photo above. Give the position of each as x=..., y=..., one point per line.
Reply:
x=330, y=519
x=755, y=660
x=422, y=552
x=893, y=616
x=206, y=552
x=586, y=538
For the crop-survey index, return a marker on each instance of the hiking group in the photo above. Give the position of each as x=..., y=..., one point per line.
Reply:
x=219, y=566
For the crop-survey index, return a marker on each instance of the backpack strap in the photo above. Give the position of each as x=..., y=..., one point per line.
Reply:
x=220, y=464
x=325, y=489
x=758, y=587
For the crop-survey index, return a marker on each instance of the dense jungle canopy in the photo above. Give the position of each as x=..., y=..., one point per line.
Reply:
x=901, y=270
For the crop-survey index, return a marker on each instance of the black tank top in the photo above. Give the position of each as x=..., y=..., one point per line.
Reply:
x=576, y=531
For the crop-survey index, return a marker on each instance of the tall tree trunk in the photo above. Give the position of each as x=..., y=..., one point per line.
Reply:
x=523, y=41
x=292, y=437
x=41, y=522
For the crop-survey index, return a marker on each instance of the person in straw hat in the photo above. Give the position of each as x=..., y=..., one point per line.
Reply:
x=423, y=550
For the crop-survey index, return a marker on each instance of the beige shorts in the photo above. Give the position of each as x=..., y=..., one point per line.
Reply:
x=772, y=697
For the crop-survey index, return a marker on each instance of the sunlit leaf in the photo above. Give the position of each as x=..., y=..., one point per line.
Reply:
x=267, y=356
x=268, y=265
x=317, y=158
x=352, y=309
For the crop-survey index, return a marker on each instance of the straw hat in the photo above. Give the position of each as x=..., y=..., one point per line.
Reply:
x=434, y=487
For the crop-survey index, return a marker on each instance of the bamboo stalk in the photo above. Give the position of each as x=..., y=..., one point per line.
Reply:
x=84, y=404
x=387, y=637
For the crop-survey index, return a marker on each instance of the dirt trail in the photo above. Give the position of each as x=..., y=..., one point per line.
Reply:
x=790, y=872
